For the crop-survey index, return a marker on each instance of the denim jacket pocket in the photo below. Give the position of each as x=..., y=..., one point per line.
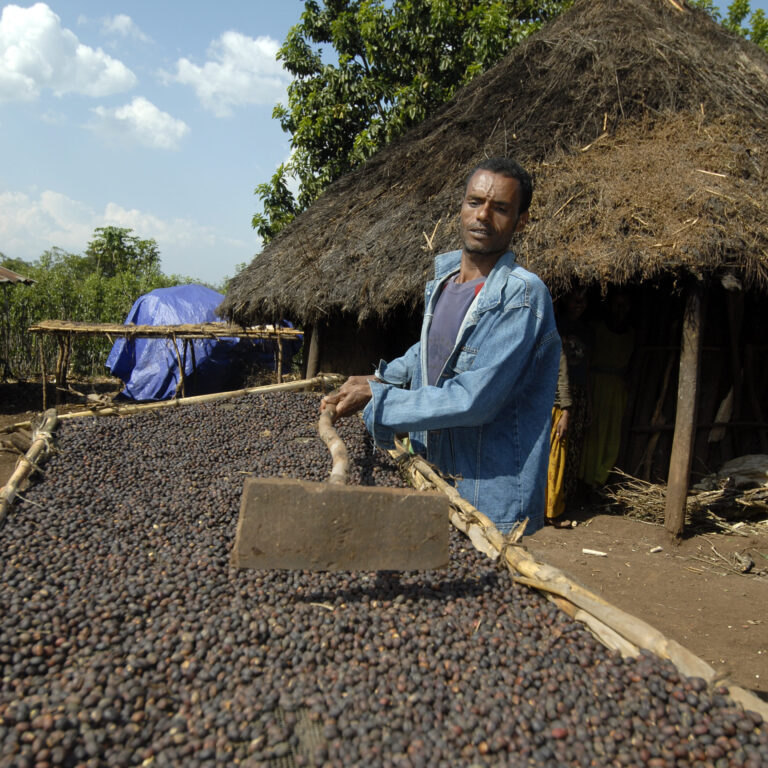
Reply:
x=465, y=359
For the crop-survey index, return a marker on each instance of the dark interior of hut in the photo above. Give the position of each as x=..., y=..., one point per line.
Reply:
x=732, y=385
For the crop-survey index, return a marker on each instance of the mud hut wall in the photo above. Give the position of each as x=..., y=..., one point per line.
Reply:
x=351, y=349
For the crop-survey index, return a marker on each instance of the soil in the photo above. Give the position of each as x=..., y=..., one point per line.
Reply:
x=692, y=592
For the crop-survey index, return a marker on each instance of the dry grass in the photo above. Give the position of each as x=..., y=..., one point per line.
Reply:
x=728, y=510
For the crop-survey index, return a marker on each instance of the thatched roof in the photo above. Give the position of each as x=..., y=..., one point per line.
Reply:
x=646, y=127
x=8, y=276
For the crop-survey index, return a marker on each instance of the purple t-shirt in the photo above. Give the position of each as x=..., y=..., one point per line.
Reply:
x=449, y=314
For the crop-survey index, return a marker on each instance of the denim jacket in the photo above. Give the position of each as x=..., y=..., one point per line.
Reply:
x=487, y=419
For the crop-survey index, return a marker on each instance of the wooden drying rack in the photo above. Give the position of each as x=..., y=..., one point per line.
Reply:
x=66, y=330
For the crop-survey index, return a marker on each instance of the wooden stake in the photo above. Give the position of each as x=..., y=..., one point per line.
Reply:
x=657, y=418
x=42, y=370
x=685, y=415
x=180, y=385
x=313, y=353
x=279, y=360
x=339, y=455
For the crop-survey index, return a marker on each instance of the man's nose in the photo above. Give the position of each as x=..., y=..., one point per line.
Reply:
x=483, y=211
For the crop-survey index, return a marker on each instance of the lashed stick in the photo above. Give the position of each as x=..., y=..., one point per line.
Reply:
x=41, y=443
x=339, y=456
x=329, y=380
x=630, y=630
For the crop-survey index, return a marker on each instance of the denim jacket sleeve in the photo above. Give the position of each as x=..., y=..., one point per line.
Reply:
x=399, y=372
x=495, y=360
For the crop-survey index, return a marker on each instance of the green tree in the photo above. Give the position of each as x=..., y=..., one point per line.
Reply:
x=737, y=13
x=114, y=249
x=278, y=204
x=395, y=62
x=98, y=287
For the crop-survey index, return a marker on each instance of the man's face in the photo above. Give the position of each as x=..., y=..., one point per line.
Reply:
x=489, y=213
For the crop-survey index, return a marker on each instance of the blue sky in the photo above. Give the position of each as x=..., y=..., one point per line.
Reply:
x=150, y=115
x=155, y=116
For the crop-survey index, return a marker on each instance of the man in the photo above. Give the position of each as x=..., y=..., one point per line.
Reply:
x=476, y=392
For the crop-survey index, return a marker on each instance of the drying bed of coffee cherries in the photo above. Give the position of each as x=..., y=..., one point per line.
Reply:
x=126, y=639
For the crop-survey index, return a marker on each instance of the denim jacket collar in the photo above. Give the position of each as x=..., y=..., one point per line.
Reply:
x=448, y=263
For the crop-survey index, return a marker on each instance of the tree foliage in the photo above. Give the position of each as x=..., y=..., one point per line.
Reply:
x=393, y=64
x=115, y=249
x=99, y=286
x=740, y=19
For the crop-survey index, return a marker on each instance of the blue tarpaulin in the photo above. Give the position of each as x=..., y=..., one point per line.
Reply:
x=149, y=367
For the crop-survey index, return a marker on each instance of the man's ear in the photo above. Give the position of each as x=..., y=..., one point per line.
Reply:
x=522, y=220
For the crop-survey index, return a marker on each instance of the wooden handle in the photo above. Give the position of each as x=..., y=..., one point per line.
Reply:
x=330, y=437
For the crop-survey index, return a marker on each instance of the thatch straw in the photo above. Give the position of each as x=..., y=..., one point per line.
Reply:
x=643, y=500
x=646, y=127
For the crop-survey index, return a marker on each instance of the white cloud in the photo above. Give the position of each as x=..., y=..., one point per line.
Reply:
x=31, y=224
x=140, y=121
x=36, y=52
x=240, y=70
x=123, y=26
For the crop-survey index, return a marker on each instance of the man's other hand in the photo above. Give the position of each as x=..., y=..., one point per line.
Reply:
x=351, y=397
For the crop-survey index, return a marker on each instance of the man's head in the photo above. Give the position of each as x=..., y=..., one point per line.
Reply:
x=495, y=206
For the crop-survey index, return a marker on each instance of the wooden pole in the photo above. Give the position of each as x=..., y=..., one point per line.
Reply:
x=339, y=455
x=313, y=353
x=42, y=373
x=67, y=356
x=61, y=366
x=189, y=348
x=279, y=362
x=685, y=414
x=327, y=381
x=614, y=627
x=180, y=385
x=658, y=418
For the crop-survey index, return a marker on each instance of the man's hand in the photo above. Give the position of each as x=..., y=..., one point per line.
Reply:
x=351, y=397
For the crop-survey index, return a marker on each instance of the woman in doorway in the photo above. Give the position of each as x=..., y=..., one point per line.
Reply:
x=571, y=412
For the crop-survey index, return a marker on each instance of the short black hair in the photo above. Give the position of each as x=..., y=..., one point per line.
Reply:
x=506, y=166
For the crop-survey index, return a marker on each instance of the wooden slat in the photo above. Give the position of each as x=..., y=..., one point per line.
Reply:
x=184, y=331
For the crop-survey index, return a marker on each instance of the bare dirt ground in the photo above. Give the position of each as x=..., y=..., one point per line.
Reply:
x=692, y=592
